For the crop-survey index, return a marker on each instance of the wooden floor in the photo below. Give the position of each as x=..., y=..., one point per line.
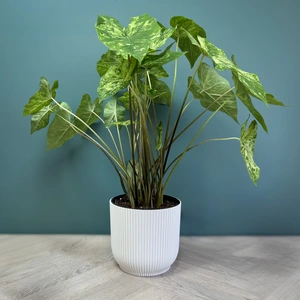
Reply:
x=37, y=267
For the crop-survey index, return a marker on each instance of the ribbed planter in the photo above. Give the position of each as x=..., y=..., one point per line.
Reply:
x=145, y=242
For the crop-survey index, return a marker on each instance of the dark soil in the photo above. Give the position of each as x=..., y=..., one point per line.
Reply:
x=123, y=201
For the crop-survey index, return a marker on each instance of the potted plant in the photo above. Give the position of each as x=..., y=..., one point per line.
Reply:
x=144, y=221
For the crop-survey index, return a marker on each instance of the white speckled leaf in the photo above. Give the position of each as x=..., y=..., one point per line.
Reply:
x=248, y=139
x=242, y=93
x=161, y=59
x=60, y=130
x=116, y=77
x=42, y=98
x=250, y=81
x=211, y=87
x=113, y=113
x=164, y=36
x=142, y=33
x=41, y=119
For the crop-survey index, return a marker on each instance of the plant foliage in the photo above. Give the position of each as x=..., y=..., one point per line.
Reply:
x=132, y=89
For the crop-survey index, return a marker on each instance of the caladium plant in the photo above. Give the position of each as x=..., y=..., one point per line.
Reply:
x=132, y=89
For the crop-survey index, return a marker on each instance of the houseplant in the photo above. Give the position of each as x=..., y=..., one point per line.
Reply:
x=131, y=90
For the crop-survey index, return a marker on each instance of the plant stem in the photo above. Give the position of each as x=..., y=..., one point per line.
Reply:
x=107, y=154
x=192, y=141
x=201, y=143
x=110, y=133
x=170, y=143
x=201, y=114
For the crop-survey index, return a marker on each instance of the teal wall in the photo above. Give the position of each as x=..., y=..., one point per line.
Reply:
x=67, y=190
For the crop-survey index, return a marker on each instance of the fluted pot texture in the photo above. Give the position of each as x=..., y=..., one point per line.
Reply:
x=145, y=242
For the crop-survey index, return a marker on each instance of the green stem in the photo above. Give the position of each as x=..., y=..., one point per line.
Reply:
x=201, y=114
x=192, y=141
x=170, y=143
x=111, y=135
x=112, y=159
x=201, y=143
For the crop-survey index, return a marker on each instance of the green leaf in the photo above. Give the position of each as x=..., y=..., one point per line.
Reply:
x=160, y=92
x=158, y=72
x=61, y=128
x=213, y=86
x=272, y=100
x=221, y=62
x=164, y=36
x=159, y=136
x=184, y=24
x=116, y=78
x=160, y=60
x=42, y=98
x=87, y=112
x=105, y=62
x=251, y=83
x=113, y=112
x=142, y=33
x=54, y=88
x=41, y=119
x=242, y=93
x=248, y=138
x=125, y=100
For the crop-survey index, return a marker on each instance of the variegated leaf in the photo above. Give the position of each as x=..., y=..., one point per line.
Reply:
x=160, y=91
x=113, y=112
x=116, y=78
x=41, y=119
x=87, y=111
x=42, y=98
x=142, y=33
x=212, y=86
x=247, y=141
x=160, y=60
x=61, y=128
x=158, y=71
x=183, y=25
x=164, y=36
x=242, y=93
x=250, y=81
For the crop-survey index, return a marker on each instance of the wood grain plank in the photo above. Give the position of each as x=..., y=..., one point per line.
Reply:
x=81, y=267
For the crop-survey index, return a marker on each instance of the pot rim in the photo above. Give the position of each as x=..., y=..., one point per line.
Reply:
x=146, y=210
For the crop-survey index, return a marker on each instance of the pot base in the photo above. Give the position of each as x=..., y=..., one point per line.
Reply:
x=144, y=274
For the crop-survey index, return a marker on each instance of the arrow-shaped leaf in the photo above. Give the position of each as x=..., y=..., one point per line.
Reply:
x=60, y=129
x=41, y=119
x=116, y=78
x=42, y=98
x=272, y=100
x=250, y=81
x=160, y=91
x=113, y=112
x=87, y=112
x=183, y=24
x=242, y=93
x=142, y=33
x=212, y=87
x=248, y=138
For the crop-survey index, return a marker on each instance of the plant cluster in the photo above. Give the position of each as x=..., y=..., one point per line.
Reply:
x=131, y=90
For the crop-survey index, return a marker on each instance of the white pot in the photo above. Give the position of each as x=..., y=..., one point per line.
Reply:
x=145, y=242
